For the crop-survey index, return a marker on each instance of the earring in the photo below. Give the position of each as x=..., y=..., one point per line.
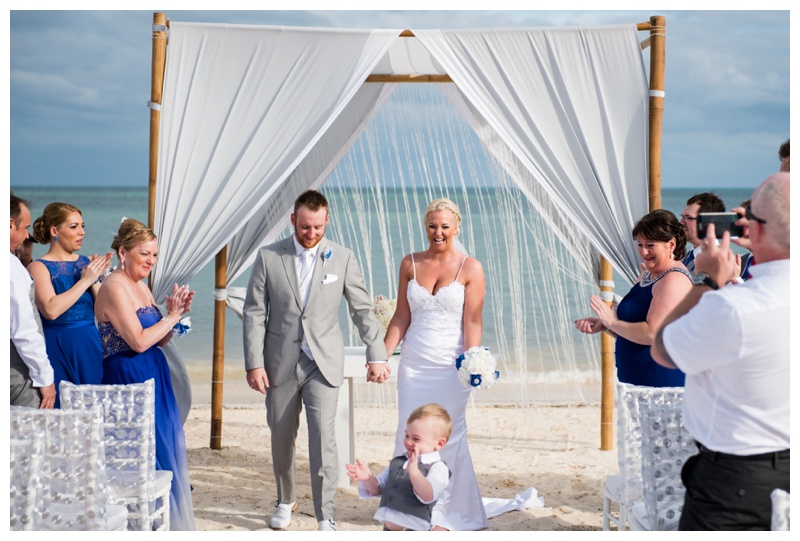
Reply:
x=122, y=264
x=55, y=239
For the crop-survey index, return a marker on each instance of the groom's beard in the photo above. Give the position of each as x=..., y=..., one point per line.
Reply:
x=308, y=243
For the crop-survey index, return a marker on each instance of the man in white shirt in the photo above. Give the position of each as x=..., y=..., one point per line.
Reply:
x=733, y=345
x=31, y=374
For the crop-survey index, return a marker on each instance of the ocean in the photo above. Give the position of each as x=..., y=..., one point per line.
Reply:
x=103, y=209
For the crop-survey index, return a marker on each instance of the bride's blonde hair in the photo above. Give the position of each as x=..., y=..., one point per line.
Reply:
x=443, y=204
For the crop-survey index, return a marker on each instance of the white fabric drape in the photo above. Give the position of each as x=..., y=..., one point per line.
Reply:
x=273, y=216
x=243, y=105
x=571, y=104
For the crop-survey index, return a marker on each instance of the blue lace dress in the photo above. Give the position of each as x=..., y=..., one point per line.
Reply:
x=123, y=365
x=635, y=365
x=72, y=340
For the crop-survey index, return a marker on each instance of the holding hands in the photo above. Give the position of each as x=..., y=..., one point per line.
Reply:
x=378, y=372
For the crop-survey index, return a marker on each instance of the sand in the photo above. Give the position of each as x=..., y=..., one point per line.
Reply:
x=554, y=449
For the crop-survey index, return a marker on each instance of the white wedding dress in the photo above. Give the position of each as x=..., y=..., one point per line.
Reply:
x=427, y=373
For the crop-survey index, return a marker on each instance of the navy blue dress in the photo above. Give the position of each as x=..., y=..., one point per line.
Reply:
x=122, y=365
x=635, y=365
x=72, y=339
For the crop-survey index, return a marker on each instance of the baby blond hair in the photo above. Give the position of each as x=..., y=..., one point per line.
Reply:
x=437, y=414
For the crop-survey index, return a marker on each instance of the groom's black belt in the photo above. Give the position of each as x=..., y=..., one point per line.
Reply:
x=774, y=455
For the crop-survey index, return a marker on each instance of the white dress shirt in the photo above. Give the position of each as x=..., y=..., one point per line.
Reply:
x=25, y=332
x=305, y=285
x=733, y=346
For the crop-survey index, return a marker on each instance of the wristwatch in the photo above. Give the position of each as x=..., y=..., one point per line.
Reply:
x=703, y=279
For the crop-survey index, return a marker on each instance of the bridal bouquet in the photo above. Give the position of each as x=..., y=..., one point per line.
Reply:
x=476, y=368
x=384, y=308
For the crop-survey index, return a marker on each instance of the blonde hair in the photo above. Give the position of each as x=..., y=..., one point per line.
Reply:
x=53, y=215
x=437, y=414
x=131, y=233
x=444, y=204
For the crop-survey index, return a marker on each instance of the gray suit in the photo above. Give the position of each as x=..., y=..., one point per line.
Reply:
x=274, y=324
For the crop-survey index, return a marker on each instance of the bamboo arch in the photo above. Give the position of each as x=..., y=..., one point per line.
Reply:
x=656, y=27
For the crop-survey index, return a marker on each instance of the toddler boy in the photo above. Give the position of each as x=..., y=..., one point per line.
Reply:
x=411, y=484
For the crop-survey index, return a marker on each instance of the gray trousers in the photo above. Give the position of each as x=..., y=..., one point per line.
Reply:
x=23, y=393
x=305, y=387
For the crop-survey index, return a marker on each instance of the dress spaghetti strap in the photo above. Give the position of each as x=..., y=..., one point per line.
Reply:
x=459, y=268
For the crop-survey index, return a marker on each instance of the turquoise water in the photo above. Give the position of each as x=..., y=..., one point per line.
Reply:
x=104, y=208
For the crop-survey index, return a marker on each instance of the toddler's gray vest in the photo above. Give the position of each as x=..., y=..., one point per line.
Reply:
x=398, y=494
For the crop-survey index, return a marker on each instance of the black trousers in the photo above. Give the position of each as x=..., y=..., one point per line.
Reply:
x=725, y=492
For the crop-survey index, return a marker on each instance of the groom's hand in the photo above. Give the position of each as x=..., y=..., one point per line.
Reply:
x=257, y=380
x=379, y=371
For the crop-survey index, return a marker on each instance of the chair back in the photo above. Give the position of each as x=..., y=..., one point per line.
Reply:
x=666, y=445
x=72, y=474
x=629, y=433
x=26, y=456
x=129, y=437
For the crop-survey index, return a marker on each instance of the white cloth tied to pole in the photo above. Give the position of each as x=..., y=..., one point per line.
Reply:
x=527, y=500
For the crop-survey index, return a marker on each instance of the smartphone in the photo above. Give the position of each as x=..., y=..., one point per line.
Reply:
x=723, y=221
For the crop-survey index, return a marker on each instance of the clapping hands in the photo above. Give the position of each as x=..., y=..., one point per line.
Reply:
x=180, y=301
x=97, y=267
x=358, y=471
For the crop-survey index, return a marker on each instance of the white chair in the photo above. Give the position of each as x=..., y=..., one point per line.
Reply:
x=625, y=488
x=70, y=491
x=130, y=443
x=666, y=445
x=26, y=456
x=780, y=510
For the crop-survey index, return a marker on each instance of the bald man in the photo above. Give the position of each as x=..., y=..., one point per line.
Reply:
x=733, y=345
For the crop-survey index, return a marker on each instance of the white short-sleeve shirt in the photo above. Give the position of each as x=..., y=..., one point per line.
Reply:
x=733, y=346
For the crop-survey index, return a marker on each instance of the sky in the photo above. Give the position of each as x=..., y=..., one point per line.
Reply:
x=80, y=82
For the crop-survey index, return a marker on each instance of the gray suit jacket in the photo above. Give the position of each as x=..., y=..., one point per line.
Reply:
x=275, y=321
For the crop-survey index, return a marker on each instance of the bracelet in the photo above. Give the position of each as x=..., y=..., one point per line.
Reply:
x=165, y=318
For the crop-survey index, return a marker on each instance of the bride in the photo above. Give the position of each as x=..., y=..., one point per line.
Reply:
x=438, y=316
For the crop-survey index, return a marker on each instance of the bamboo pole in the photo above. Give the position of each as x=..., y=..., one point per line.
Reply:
x=606, y=367
x=159, y=60
x=658, y=34
x=218, y=370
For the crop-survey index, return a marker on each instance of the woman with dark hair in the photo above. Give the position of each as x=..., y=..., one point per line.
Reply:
x=66, y=284
x=661, y=286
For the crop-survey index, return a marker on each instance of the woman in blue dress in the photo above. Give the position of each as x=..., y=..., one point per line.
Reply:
x=65, y=284
x=662, y=285
x=131, y=330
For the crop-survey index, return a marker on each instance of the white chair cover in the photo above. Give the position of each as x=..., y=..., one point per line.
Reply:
x=72, y=472
x=780, y=510
x=130, y=448
x=666, y=445
x=26, y=456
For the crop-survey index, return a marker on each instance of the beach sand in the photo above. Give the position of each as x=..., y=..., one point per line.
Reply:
x=555, y=449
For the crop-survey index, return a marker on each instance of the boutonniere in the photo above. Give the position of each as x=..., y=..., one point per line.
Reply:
x=326, y=255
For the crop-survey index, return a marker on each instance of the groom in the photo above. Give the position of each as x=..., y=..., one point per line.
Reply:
x=294, y=349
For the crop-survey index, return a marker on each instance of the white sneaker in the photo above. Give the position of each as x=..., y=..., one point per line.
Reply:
x=282, y=516
x=328, y=525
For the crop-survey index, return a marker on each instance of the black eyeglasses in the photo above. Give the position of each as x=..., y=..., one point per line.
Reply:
x=688, y=218
x=750, y=216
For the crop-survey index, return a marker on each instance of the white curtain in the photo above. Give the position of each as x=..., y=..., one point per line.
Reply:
x=243, y=105
x=571, y=104
x=273, y=216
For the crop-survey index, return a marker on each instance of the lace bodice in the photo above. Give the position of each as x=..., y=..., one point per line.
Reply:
x=113, y=343
x=444, y=309
x=64, y=275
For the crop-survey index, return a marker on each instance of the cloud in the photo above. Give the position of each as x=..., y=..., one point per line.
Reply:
x=80, y=80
